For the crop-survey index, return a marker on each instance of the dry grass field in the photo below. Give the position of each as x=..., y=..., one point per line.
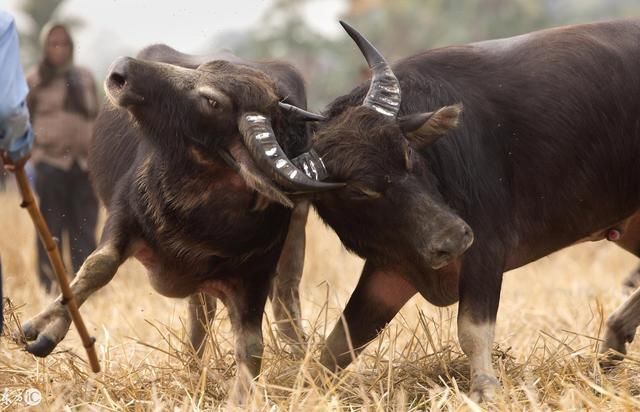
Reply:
x=550, y=318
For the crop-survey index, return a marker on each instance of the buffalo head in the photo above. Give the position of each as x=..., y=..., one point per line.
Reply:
x=221, y=108
x=390, y=207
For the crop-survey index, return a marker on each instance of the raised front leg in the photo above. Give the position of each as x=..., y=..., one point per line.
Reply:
x=45, y=330
x=202, y=309
x=378, y=297
x=285, y=296
x=480, y=284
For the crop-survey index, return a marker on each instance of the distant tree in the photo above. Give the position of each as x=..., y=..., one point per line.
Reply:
x=285, y=35
x=400, y=28
x=403, y=27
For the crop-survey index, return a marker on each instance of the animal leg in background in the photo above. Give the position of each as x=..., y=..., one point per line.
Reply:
x=623, y=322
x=245, y=298
x=202, y=310
x=45, y=330
x=632, y=281
x=621, y=328
x=378, y=297
x=630, y=241
x=285, y=295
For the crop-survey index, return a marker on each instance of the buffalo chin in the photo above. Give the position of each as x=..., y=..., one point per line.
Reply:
x=439, y=263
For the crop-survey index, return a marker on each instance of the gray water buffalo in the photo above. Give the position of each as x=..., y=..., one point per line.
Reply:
x=186, y=198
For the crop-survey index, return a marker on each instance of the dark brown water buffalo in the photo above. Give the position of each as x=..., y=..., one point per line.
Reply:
x=543, y=156
x=185, y=196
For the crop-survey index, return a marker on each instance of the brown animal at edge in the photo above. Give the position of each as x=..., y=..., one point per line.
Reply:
x=541, y=151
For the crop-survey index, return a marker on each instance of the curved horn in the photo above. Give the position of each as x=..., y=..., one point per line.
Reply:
x=384, y=93
x=261, y=141
x=302, y=114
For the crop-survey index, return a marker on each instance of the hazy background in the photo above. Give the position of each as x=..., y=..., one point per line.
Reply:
x=303, y=32
x=551, y=312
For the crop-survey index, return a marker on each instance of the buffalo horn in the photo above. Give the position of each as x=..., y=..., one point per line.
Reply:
x=384, y=93
x=301, y=113
x=261, y=142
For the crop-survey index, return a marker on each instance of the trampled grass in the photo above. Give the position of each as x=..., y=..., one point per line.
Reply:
x=550, y=318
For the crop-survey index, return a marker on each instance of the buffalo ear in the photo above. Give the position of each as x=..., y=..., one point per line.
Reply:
x=423, y=129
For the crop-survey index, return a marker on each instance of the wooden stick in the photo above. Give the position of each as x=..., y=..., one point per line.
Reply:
x=50, y=245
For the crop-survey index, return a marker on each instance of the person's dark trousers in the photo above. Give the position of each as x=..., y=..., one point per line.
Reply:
x=68, y=205
x=1, y=302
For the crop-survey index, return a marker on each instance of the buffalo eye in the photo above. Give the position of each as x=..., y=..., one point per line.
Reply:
x=213, y=98
x=363, y=193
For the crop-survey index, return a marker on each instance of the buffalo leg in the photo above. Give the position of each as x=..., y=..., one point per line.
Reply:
x=622, y=323
x=479, y=297
x=633, y=280
x=245, y=303
x=285, y=296
x=378, y=297
x=202, y=309
x=621, y=327
x=630, y=241
x=45, y=330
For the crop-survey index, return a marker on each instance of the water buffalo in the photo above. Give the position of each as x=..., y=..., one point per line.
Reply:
x=541, y=148
x=185, y=197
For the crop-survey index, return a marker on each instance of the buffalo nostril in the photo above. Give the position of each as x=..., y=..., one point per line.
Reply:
x=451, y=243
x=118, y=72
x=442, y=255
x=467, y=236
x=117, y=80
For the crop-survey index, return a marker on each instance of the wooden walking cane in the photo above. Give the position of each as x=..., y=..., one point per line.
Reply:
x=50, y=245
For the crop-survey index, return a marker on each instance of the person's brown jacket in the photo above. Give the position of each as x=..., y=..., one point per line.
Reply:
x=62, y=137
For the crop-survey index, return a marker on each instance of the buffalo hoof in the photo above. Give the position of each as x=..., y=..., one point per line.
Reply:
x=610, y=360
x=44, y=331
x=41, y=347
x=296, y=348
x=298, y=351
x=241, y=391
x=483, y=388
x=614, y=347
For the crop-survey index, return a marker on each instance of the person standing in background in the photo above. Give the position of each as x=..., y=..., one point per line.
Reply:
x=63, y=105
